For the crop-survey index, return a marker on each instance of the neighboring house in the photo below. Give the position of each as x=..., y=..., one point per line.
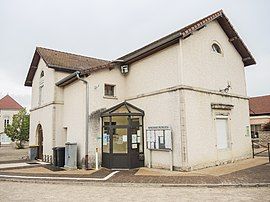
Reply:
x=8, y=108
x=190, y=83
x=259, y=109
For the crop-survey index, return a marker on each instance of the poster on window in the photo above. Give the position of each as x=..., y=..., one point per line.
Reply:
x=106, y=139
x=159, y=138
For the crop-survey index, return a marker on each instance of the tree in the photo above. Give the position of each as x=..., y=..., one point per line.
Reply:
x=18, y=131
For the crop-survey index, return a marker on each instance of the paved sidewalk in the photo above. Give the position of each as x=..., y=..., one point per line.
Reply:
x=9, y=154
x=20, y=165
x=249, y=172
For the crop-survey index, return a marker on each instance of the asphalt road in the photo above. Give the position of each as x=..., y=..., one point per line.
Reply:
x=26, y=191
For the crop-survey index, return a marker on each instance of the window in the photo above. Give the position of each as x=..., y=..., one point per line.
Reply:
x=222, y=132
x=6, y=122
x=109, y=90
x=40, y=95
x=42, y=74
x=255, y=129
x=216, y=48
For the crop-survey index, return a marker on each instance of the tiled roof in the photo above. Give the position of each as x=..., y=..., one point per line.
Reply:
x=259, y=105
x=8, y=102
x=61, y=61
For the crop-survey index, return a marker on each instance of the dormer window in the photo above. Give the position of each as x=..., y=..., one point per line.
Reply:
x=216, y=48
x=42, y=74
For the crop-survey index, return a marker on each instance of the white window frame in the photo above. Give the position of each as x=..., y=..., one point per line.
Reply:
x=223, y=116
x=215, y=52
x=6, y=121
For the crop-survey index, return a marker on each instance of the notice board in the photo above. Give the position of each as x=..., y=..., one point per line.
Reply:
x=159, y=138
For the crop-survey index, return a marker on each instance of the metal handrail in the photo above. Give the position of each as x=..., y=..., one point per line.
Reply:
x=260, y=145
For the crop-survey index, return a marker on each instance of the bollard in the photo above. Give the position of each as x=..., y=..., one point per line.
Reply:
x=268, y=146
x=96, y=158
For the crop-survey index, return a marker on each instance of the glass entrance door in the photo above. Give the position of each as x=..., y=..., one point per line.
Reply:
x=119, y=149
x=122, y=137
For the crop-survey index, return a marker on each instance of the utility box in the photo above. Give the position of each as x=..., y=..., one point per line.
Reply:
x=33, y=152
x=71, y=155
x=60, y=157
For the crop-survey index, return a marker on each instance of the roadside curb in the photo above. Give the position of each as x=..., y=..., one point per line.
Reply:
x=51, y=178
x=146, y=185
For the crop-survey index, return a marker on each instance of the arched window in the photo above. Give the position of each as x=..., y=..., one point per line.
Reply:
x=216, y=48
x=41, y=74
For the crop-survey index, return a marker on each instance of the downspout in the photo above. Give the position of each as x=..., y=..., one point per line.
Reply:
x=86, y=117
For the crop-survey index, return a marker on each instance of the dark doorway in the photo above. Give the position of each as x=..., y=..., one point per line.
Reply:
x=122, y=137
x=40, y=141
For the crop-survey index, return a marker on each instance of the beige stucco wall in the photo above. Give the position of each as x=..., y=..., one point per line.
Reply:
x=139, y=80
x=49, y=112
x=204, y=68
x=201, y=130
x=208, y=71
x=153, y=73
x=74, y=109
x=148, y=86
x=43, y=117
x=150, y=75
x=48, y=89
x=162, y=110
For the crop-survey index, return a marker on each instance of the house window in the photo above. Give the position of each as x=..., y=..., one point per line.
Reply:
x=109, y=90
x=6, y=122
x=216, y=48
x=42, y=74
x=40, y=96
x=222, y=132
x=255, y=129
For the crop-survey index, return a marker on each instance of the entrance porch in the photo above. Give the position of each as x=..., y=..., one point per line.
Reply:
x=122, y=137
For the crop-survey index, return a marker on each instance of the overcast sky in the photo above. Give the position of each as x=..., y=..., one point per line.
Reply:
x=109, y=29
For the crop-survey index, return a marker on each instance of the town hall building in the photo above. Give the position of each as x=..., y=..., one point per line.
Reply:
x=177, y=103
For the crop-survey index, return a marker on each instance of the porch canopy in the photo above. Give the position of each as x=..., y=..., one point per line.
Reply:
x=122, y=136
x=123, y=109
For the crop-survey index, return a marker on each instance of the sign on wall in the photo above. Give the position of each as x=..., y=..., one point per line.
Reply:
x=159, y=138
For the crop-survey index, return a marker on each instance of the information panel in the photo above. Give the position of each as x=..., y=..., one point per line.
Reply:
x=159, y=138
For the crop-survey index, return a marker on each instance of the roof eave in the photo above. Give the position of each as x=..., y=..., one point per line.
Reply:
x=63, y=69
x=260, y=114
x=151, y=48
x=68, y=79
x=173, y=38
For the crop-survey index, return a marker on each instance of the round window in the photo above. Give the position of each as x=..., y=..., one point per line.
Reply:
x=216, y=48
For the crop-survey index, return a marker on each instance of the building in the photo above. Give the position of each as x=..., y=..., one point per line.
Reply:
x=259, y=109
x=8, y=108
x=183, y=96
